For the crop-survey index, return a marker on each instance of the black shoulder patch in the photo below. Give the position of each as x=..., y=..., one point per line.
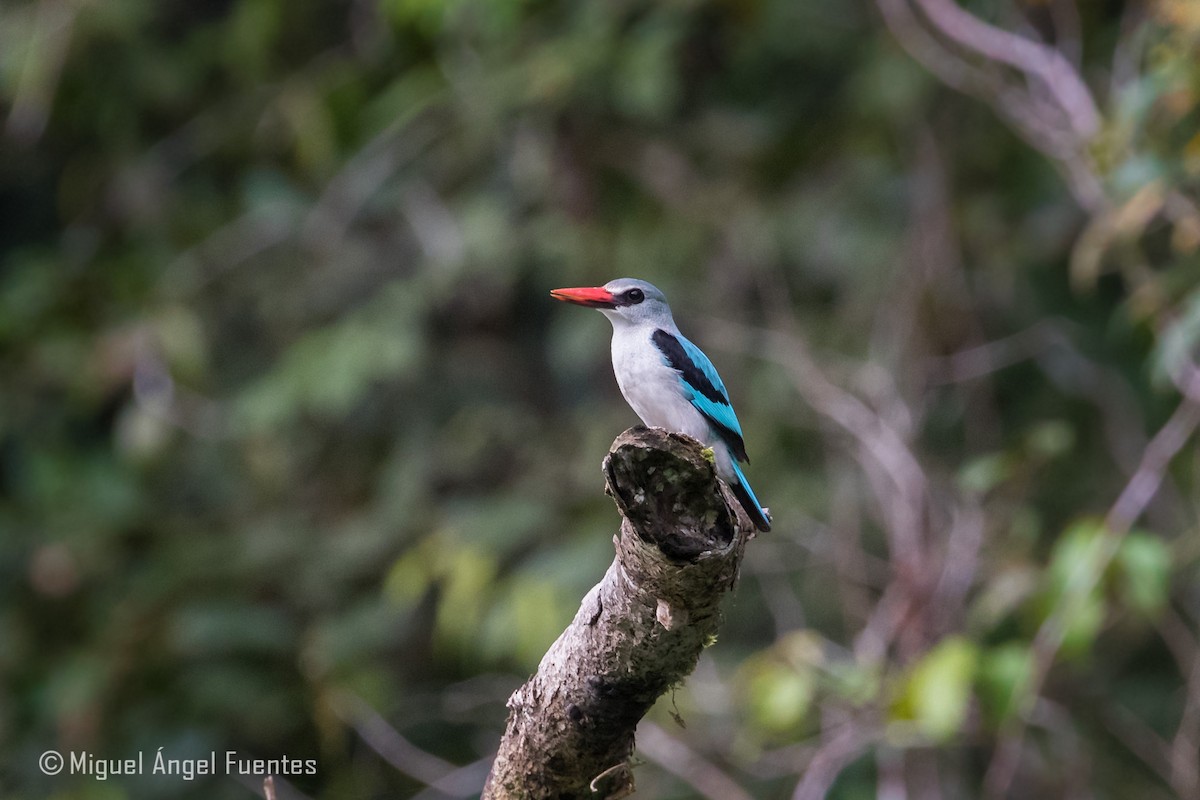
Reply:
x=677, y=357
x=678, y=360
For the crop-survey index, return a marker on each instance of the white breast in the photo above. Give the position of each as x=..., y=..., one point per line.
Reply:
x=652, y=389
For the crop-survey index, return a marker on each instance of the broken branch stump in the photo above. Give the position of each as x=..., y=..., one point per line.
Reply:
x=638, y=632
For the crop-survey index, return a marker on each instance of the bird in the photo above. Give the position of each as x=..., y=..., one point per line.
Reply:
x=667, y=380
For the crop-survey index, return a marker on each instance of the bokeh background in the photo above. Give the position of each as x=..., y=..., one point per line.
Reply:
x=298, y=458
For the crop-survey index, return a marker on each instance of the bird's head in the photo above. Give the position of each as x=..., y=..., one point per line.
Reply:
x=624, y=301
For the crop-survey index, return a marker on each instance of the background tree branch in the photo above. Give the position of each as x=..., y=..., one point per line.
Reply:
x=638, y=632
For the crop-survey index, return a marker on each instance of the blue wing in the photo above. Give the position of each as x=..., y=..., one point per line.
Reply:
x=703, y=387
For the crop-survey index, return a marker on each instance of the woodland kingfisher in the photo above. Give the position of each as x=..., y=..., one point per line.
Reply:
x=667, y=380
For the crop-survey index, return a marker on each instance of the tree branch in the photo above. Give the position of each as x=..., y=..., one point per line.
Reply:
x=638, y=632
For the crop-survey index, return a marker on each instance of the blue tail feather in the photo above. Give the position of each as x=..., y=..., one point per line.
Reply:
x=745, y=496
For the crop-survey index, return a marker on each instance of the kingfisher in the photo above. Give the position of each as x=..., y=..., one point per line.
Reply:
x=667, y=380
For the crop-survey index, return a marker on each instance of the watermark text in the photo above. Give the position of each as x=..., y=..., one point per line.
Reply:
x=159, y=762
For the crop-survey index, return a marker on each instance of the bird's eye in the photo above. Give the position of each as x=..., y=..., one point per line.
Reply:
x=635, y=296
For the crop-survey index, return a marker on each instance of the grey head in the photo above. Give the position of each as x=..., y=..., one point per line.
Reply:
x=625, y=301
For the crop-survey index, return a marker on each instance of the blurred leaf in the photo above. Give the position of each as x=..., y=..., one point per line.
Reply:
x=937, y=691
x=181, y=336
x=204, y=631
x=28, y=288
x=1006, y=591
x=251, y=36
x=329, y=370
x=466, y=583
x=225, y=691
x=986, y=472
x=1180, y=343
x=463, y=575
x=780, y=685
x=310, y=127
x=779, y=697
x=645, y=75
x=1143, y=572
x=342, y=642
x=411, y=576
x=76, y=688
x=528, y=615
x=1051, y=439
x=1004, y=679
x=1074, y=588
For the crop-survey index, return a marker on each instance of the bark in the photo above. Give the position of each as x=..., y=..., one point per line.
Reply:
x=638, y=632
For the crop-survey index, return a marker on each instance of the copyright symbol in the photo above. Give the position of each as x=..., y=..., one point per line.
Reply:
x=51, y=762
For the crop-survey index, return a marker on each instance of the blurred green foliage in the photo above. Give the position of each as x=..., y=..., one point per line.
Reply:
x=291, y=434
